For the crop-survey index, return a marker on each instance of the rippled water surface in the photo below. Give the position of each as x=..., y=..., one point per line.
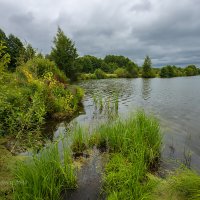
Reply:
x=175, y=101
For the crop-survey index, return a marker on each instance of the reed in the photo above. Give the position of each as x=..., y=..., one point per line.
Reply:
x=183, y=184
x=45, y=175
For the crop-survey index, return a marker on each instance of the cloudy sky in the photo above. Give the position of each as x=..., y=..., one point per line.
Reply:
x=166, y=30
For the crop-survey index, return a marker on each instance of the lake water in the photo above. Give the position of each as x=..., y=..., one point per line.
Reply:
x=175, y=102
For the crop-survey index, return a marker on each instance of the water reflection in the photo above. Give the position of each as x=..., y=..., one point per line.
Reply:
x=146, y=88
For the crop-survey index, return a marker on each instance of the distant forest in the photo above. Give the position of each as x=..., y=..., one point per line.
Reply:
x=64, y=55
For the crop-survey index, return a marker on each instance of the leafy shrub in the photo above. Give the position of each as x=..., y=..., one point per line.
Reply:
x=87, y=76
x=100, y=74
x=36, y=90
x=121, y=73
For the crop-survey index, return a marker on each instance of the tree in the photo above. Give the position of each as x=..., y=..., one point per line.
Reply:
x=3, y=37
x=15, y=46
x=85, y=64
x=4, y=57
x=121, y=61
x=132, y=69
x=64, y=54
x=147, y=68
x=26, y=54
x=191, y=70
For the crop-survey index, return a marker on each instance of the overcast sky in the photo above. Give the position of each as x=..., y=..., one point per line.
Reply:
x=166, y=30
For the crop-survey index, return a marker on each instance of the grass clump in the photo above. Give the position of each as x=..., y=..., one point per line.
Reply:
x=79, y=140
x=134, y=145
x=187, y=183
x=184, y=184
x=45, y=175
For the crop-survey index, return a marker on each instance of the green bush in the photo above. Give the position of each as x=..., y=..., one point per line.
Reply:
x=121, y=73
x=100, y=74
x=87, y=76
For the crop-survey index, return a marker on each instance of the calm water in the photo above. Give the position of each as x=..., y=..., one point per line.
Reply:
x=175, y=101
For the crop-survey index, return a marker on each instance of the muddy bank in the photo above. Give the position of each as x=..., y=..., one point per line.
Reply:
x=89, y=178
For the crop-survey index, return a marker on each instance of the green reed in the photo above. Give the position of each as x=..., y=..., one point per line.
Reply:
x=45, y=175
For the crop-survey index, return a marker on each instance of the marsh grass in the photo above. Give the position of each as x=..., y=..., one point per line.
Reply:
x=45, y=175
x=79, y=140
x=106, y=106
x=184, y=184
x=134, y=146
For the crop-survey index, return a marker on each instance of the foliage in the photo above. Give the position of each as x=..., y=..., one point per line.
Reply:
x=86, y=76
x=26, y=54
x=191, y=70
x=147, y=71
x=100, y=74
x=85, y=64
x=64, y=54
x=45, y=175
x=121, y=73
x=183, y=184
x=173, y=71
x=121, y=61
x=36, y=90
x=132, y=69
x=15, y=46
x=4, y=57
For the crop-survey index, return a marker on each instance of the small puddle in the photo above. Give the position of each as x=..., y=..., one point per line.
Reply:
x=89, y=179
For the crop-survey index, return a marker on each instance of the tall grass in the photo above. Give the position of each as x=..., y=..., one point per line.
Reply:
x=79, y=139
x=45, y=175
x=134, y=145
x=187, y=183
x=183, y=184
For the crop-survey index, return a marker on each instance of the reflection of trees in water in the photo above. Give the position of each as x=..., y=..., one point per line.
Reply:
x=107, y=87
x=146, y=88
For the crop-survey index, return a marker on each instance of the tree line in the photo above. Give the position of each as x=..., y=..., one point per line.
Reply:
x=65, y=56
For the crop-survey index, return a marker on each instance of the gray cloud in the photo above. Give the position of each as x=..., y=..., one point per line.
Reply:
x=168, y=32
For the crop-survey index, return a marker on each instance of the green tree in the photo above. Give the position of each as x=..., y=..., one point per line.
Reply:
x=147, y=68
x=132, y=69
x=191, y=70
x=85, y=64
x=96, y=62
x=64, y=54
x=3, y=37
x=121, y=61
x=4, y=57
x=26, y=54
x=15, y=46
